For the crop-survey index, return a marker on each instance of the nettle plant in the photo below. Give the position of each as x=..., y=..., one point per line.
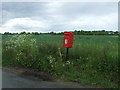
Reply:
x=25, y=49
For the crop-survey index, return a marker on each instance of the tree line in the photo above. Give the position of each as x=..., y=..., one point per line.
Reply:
x=76, y=32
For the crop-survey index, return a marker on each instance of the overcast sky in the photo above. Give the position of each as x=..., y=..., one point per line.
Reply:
x=58, y=16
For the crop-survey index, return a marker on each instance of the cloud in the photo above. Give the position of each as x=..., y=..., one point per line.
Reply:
x=24, y=24
x=0, y=13
x=59, y=16
x=107, y=22
x=13, y=10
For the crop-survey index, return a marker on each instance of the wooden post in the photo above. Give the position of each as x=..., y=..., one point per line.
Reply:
x=67, y=54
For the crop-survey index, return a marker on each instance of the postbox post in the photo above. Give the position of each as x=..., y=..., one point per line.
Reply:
x=67, y=54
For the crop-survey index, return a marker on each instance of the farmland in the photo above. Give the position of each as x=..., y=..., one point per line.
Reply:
x=93, y=59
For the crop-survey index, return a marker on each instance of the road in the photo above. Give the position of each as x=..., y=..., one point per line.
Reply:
x=13, y=80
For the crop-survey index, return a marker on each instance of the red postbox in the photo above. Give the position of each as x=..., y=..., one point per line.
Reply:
x=68, y=39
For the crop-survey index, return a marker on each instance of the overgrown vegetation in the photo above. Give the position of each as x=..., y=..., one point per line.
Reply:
x=93, y=60
x=0, y=50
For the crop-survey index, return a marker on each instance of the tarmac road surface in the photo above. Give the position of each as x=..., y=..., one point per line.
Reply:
x=12, y=80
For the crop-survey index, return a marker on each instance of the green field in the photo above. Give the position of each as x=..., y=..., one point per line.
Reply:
x=93, y=60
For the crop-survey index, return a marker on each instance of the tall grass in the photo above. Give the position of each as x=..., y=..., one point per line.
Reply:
x=92, y=60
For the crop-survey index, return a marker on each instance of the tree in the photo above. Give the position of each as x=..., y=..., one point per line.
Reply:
x=23, y=33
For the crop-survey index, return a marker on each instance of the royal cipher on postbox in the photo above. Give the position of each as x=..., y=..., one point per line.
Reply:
x=68, y=39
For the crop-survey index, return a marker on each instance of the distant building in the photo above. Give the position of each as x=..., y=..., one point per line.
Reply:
x=110, y=33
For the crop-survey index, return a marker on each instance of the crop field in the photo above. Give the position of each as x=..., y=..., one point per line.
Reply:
x=93, y=59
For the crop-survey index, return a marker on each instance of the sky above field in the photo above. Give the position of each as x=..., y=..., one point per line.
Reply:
x=58, y=16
